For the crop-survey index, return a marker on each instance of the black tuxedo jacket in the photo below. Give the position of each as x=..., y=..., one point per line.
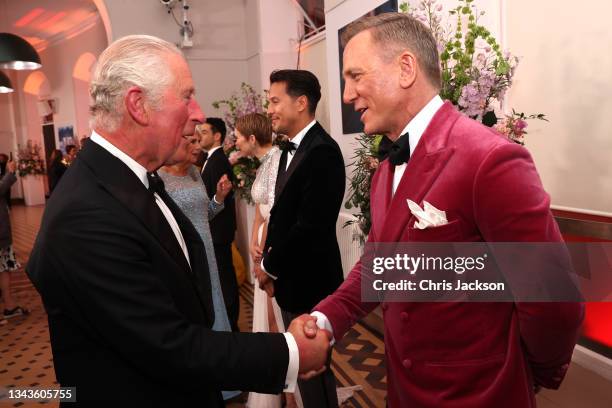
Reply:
x=129, y=318
x=223, y=226
x=301, y=247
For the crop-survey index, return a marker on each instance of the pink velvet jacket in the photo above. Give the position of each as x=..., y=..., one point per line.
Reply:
x=464, y=354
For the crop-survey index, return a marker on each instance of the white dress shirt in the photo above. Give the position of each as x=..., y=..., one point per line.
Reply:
x=297, y=139
x=141, y=173
x=415, y=128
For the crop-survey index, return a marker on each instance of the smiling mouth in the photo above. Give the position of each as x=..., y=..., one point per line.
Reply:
x=362, y=111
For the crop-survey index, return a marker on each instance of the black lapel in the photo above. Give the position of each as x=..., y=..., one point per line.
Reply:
x=121, y=182
x=197, y=253
x=280, y=174
x=283, y=177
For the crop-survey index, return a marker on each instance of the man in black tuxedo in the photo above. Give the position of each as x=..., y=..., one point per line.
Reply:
x=123, y=273
x=223, y=226
x=301, y=254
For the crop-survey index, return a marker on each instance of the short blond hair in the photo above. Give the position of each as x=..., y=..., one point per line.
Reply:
x=395, y=32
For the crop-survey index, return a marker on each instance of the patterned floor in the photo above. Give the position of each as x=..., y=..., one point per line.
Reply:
x=25, y=351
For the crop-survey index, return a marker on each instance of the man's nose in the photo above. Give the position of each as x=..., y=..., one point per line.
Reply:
x=197, y=115
x=349, y=94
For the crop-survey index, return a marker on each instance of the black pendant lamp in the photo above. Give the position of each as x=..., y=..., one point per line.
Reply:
x=5, y=83
x=17, y=53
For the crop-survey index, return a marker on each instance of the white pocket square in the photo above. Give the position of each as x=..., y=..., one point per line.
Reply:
x=428, y=216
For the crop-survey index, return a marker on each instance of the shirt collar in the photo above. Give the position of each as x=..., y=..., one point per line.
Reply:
x=136, y=167
x=212, y=150
x=297, y=139
x=416, y=127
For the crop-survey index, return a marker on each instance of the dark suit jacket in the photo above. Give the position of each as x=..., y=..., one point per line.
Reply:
x=129, y=319
x=223, y=226
x=464, y=354
x=301, y=247
x=6, y=182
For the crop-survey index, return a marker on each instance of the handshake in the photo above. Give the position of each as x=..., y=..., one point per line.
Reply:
x=313, y=344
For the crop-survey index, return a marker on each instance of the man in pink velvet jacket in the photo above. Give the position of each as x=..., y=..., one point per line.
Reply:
x=447, y=354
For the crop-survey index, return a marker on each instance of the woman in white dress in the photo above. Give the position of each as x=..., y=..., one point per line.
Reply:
x=254, y=138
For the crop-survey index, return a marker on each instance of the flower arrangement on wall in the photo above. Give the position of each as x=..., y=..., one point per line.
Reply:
x=29, y=159
x=476, y=75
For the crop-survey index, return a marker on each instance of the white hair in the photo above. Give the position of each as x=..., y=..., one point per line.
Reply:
x=134, y=60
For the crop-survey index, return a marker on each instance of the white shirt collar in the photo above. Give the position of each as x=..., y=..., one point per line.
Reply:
x=416, y=127
x=297, y=139
x=212, y=150
x=136, y=167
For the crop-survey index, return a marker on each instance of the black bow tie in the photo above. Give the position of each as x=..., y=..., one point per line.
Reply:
x=399, y=152
x=287, y=146
x=156, y=184
x=204, y=157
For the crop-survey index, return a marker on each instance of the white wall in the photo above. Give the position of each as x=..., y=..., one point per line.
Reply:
x=314, y=59
x=565, y=73
x=58, y=64
x=218, y=59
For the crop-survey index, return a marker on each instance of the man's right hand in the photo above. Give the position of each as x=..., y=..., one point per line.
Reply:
x=313, y=345
x=11, y=166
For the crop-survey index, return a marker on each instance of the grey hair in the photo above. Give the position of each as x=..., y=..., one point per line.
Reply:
x=394, y=32
x=134, y=60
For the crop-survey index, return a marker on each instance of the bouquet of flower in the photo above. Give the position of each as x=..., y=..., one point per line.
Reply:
x=29, y=159
x=246, y=101
x=476, y=75
x=365, y=163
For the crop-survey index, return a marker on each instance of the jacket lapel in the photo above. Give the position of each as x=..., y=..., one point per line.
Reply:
x=425, y=165
x=380, y=196
x=297, y=158
x=121, y=182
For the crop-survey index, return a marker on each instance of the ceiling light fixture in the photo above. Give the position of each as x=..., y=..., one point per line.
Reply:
x=17, y=53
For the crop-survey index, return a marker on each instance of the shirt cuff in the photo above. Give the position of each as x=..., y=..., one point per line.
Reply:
x=294, y=363
x=323, y=323
x=266, y=272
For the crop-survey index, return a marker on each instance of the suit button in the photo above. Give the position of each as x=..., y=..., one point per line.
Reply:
x=404, y=317
x=407, y=363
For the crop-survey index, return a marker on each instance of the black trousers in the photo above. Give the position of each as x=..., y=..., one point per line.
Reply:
x=229, y=284
x=320, y=391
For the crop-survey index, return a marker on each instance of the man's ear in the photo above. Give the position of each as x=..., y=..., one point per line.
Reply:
x=217, y=137
x=136, y=106
x=408, y=69
x=302, y=103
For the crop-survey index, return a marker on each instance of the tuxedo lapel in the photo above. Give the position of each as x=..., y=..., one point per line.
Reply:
x=381, y=196
x=283, y=177
x=425, y=165
x=121, y=182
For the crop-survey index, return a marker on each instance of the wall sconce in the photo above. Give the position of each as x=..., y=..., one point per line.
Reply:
x=17, y=53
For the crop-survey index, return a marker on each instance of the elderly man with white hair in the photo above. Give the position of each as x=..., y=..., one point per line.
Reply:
x=123, y=273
